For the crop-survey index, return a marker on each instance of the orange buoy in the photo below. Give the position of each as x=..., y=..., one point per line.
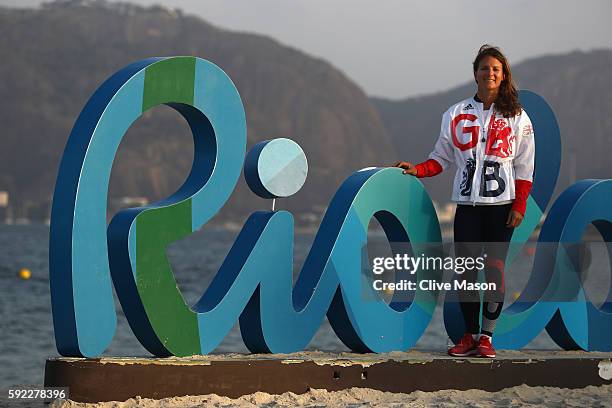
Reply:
x=25, y=273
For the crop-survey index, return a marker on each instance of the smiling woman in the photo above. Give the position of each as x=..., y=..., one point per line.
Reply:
x=489, y=137
x=490, y=72
x=494, y=79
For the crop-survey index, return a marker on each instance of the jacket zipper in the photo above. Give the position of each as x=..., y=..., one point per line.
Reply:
x=483, y=120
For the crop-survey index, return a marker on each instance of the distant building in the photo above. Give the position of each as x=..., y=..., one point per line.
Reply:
x=4, y=199
x=4, y=207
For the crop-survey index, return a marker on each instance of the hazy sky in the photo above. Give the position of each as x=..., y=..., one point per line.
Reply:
x=399, y=48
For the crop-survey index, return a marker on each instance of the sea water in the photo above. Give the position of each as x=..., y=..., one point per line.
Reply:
x=26, y=329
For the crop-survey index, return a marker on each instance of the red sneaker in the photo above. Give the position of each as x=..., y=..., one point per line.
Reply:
x=485, y=349
x=465, y=347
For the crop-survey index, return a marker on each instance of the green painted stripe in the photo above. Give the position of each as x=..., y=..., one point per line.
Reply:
x=174, y=322
x=169, y=80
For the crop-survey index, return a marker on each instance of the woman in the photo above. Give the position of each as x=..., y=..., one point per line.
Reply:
x=490, y=140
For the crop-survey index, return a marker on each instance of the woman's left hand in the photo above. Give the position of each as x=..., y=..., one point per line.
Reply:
x=514, y=219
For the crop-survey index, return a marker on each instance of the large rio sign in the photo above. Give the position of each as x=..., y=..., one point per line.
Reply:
x=254, y=284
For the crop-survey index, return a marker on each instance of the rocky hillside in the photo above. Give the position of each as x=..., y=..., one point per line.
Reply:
x=56, y=56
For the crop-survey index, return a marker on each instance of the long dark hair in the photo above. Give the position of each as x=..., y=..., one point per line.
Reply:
x=507, y=102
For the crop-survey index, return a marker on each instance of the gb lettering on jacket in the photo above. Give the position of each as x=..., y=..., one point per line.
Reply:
x=490, y=152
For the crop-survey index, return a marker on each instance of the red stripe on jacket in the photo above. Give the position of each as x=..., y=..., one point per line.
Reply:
x=428, y=168
x=521, y=193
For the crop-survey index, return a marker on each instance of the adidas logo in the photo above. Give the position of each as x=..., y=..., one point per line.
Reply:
x=468, y=107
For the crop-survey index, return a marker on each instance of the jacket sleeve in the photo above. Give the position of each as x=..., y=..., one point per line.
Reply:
x=524, y=160
x=525, y=149
x=443, y=149
x=428, y=168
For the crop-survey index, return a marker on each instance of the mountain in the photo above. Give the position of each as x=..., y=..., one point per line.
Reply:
x=56, y=56
x=576, y=85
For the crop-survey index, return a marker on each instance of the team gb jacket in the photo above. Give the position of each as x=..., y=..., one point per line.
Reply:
x=491, y=153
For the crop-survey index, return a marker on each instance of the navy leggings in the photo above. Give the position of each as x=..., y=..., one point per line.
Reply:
x=482, y=230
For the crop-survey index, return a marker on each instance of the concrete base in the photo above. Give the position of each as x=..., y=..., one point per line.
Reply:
x=233, y=375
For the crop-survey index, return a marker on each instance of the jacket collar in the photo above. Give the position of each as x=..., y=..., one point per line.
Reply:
x=478, y=100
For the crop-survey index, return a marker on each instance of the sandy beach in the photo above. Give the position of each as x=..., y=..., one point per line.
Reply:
x=522, y=395
x=516, y=396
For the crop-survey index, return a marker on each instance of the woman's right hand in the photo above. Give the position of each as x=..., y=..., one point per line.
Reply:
x=407, y=166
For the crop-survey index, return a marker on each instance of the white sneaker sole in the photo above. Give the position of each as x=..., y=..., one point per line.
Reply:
x=468, y=354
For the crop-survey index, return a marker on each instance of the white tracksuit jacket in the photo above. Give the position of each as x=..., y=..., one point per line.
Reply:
x=490, y=152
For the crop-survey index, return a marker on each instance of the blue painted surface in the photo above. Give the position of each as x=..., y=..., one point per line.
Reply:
x=580, y=324
x=336, y=258
x=274, y=315
x=548, y=146
x=217, y=122
x=217, y=97
x=523, y=320
x=68, y=276
x=79, y=261
x=283, y=167
x=268, y=304
x=276, y=168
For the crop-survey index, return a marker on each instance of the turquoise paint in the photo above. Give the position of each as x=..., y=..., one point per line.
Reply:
x=288, y=179
x=282, y=167
x=581, y=323
x=275, y=168
x=380, y=327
